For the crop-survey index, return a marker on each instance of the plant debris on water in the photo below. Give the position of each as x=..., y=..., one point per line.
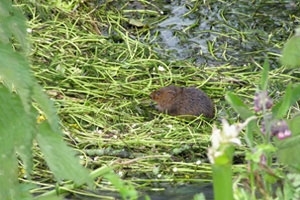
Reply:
x=100, y=60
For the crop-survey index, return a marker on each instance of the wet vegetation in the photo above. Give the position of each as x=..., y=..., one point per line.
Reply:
x=98, y=61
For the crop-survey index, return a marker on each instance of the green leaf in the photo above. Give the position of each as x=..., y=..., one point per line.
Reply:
x=294, y=125
x=291, y=96
x=260, y=150
x=127, y=191
x=251, y=130
x=15, y=132
x=264, y=76
x=285, y=103
x=291, y=51
x=47, y=106
x=59, y=157
x=16, y=24
x=5, y=8
x=238, y=105
x=16, y=75
x=288, y=152
x=13, y=25
x=289, y=148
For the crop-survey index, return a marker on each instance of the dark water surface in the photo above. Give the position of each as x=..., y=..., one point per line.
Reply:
x=180, y=192
x=234, y=32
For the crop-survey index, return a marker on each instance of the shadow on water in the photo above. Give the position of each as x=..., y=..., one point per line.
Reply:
x=219, y=32
x=180, y=192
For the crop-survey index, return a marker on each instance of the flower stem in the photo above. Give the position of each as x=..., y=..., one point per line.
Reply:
x=222, y=178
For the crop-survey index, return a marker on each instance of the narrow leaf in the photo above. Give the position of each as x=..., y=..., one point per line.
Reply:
x=264, y=76
x=291, y=96
x=285, y=103
x=238, y=105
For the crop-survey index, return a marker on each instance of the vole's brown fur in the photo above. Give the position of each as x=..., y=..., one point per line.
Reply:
x=175, y=100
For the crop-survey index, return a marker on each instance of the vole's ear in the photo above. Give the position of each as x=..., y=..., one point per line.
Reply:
x=172, y=92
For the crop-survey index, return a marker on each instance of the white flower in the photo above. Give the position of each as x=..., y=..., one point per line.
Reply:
x=230, y=130
x=231, y=133
x=228, y=135
x=215, y=137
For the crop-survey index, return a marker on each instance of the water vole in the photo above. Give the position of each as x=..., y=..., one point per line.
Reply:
x=175, y=100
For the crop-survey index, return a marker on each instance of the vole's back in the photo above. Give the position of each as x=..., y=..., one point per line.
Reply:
x=176, y=100
x=193, y=101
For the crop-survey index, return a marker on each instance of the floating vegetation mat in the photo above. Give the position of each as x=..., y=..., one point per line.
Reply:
x=99, y=61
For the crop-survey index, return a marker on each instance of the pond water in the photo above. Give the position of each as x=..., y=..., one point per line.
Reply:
x=231, y=32
x=187, y=191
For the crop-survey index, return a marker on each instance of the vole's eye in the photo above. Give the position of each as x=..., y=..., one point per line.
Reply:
x=157, y=93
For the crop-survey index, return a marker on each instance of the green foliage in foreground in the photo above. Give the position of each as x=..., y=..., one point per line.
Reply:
x=22, y=100
x=280, y=139
x=291, y=51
